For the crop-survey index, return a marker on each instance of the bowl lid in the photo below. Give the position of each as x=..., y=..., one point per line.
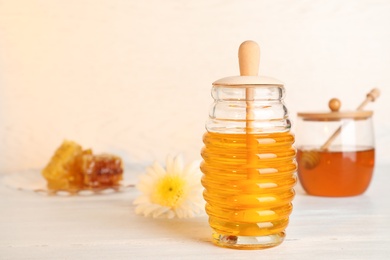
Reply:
x=335, y=115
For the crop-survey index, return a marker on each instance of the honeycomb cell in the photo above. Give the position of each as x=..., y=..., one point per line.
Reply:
x=101, y=171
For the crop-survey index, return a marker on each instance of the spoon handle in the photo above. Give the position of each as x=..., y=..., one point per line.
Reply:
x=371, y=97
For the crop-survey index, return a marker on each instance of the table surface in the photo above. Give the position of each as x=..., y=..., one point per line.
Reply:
x=36, y=226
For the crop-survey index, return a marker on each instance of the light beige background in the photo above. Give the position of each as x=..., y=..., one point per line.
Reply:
x=134, y=77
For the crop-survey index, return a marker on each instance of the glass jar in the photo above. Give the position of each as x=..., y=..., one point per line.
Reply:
x=248, y=163
x=336, y=151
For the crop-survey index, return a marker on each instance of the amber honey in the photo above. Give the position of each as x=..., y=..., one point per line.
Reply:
x=248, y=180
x=336, y=173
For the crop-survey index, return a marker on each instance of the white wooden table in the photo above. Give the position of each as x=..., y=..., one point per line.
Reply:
x=34, y=226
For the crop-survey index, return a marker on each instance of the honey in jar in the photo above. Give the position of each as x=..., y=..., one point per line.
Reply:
x=248, y=159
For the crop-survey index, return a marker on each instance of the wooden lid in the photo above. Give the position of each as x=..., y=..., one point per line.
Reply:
x=249, y=60
x=335, y=114
x=242, y=81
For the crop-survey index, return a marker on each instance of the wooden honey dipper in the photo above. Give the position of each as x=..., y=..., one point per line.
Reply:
x=249, y=59
x=311, y=159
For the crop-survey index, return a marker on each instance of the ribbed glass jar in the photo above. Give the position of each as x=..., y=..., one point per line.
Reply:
x=248, y=165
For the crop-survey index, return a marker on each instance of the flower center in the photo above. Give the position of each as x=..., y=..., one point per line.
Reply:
x=169, y=191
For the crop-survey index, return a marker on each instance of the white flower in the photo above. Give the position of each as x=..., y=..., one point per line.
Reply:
x=172, y=192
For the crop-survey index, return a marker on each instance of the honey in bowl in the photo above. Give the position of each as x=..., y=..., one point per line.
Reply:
x=336, y=173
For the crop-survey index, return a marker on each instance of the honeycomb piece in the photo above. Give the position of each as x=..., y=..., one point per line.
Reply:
x=101, y=171
x=60, y=172
x=71, y=168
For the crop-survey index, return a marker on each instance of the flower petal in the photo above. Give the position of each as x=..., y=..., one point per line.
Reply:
x=160, y=211
x=158, y=169
x=178, y=165
x=170, y=160
x=193, y=168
